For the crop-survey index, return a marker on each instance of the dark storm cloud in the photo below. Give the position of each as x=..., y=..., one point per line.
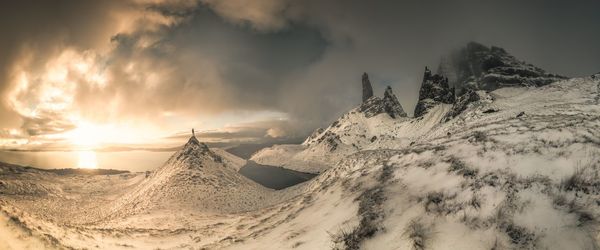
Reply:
x=208, y=65
x=304, y=58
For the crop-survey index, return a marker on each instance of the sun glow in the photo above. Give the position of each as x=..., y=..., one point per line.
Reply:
x=89, y=135
x=87, y=159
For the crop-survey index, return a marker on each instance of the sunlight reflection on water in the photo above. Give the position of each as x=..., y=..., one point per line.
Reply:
x=125, y=160
x=87, y=159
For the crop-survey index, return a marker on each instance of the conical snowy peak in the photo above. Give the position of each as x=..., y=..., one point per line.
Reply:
x=199, y=179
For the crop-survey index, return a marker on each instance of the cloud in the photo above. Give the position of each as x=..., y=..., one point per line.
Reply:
x=262, y=15
x=178, y=64
x=257, y=132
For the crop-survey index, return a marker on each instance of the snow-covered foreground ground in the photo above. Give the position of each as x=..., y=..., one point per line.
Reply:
x=517, y=170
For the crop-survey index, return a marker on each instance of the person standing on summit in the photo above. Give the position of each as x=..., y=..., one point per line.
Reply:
x=193, y=134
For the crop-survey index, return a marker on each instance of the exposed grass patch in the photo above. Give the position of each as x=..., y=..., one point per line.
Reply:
x=371, y=217
x=584, y=216
x=370, y=210
x=519, y=236
x=459, y=167
x=480, y=136
x=387, y=172
x=584, y=179
x=418, y=234
x=439, y=203
x=475, y=201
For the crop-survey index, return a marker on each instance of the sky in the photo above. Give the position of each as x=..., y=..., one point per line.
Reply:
x=144, y=72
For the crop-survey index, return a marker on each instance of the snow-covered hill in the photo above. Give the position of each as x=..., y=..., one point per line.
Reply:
x=196, y=179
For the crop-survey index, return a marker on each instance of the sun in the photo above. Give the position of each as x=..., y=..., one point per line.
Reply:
x=87, y=159
x=87, y=135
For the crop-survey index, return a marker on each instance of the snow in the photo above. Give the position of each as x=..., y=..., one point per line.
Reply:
x=355, y=132
x=478, y=181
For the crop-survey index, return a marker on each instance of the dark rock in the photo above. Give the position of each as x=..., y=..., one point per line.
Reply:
x=389, y=104
x=487, y=111
x=195, y=149
x=478, y=67
x=522, y=113
x=372, y=107
x=462, y=103
x=331, y=140
x=367, y=89
x=314, y=136
x=434, y=90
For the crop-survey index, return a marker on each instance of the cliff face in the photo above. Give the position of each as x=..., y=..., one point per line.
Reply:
x=374, y=105
x=434, y=90
x=472, y=68
x=479, y=67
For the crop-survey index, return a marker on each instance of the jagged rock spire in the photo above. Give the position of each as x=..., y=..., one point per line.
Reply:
x=434, y=90
x=391, y=104
x=367, y=89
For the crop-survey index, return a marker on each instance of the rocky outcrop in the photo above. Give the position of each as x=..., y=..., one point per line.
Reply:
x=479, y=67
x=367, y=89
x=330, y=140
x=389, y=105
x=313, y=136
x=434, y=90
x=462, y=103
x=372, y=105
x=194, y=150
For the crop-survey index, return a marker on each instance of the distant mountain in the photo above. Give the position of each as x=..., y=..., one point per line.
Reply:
x=473, y=68
x=479, y=67
x=463, y=80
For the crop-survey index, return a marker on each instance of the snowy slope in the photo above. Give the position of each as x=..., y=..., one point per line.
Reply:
x=484, y=180
x=351, y=133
